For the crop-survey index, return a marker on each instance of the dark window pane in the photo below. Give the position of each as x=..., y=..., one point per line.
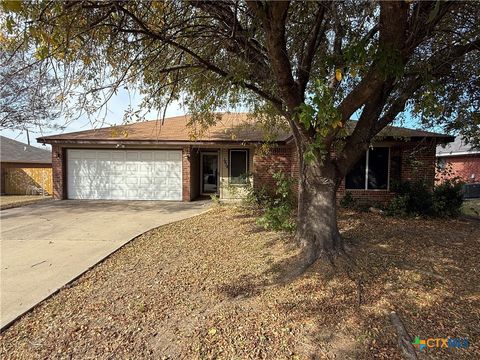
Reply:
x=378, y=168
x=238, y=167
x=355, y=179
x=210, y=173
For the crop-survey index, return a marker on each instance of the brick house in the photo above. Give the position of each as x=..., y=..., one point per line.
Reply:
x=151, y=161
x=461, y=159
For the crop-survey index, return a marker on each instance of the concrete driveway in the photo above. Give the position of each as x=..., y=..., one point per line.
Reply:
x=46, y=245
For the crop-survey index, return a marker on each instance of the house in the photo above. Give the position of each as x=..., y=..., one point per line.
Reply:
x=460, y=160
x=148, y=160
x=24, y=168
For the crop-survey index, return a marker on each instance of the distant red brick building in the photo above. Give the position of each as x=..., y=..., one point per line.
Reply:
x=458, y=159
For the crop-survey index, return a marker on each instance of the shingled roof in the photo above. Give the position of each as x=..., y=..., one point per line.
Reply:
x=15, y=151
x=459, y=147
x=231, y=127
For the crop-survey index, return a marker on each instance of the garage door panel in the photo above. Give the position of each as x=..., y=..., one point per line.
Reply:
x=146, y=155
x=90, y=155
x=160, y=156
x=124, y=174
x=104, y=155
x=130, y=180
x=132, y=155
x=173, y=183
x=118, y=156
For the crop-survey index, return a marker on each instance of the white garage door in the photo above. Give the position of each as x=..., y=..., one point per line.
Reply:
x=124, y=174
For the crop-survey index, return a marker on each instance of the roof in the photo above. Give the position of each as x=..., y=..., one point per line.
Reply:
x=230, y=127
x=16, y=151
x=458, y=147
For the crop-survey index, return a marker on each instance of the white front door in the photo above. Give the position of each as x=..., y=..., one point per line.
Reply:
x=124, y=174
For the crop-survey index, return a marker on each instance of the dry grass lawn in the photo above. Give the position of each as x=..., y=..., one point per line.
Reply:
x=213, y=287
x=471, y=207
x=10, y=201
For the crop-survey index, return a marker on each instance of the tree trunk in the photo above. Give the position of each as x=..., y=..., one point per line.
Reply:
x=317, y=229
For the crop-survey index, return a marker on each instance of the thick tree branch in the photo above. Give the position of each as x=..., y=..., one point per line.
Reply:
x=274, y=16
x=306, y=60
x=206, y=64
x=392, y=29
x=236, y=39
x=371, y=123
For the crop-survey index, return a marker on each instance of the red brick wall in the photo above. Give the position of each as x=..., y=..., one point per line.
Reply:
x=417, y=162
x=58, y=172
x=186, y=166
x=467, y=167
x=265, y=165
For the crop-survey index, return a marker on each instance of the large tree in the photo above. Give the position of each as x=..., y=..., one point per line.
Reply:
x=313, y=64
x=27, y=93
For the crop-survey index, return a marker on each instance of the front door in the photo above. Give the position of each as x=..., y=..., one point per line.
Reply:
x=209, y=172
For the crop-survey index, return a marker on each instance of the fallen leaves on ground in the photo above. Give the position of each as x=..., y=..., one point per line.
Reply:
x=216, y=286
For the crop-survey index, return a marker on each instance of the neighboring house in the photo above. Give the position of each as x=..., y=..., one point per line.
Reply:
x=147, y=160
x=24, y=169
x=458, y=159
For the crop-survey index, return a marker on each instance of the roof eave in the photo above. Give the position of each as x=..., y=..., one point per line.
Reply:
x=458, y=153
x=150, y=142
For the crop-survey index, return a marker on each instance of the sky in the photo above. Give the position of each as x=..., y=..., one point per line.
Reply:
x=117, y=106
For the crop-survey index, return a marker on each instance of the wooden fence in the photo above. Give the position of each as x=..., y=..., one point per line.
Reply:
x=28, y=181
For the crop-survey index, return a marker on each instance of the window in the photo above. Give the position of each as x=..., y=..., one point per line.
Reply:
x=356, y=177
x=371, y=172
x=441, y=164
x=238, y=166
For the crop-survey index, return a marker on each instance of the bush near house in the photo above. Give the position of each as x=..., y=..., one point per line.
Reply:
x=348, y=201
x=416, y=199
x=278, y=208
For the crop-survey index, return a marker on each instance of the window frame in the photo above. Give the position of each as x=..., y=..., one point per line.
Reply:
x=247, y=163
x=365, y=187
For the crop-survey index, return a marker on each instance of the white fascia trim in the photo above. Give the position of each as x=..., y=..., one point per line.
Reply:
x=458, y=153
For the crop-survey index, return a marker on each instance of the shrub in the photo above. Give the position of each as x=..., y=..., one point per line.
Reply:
x=215, y=199
x=398, y=206
x=415, y=198
x=279, y=208
x=448, y=198
x=348, y=202
x=277, y=218
x=257, y=197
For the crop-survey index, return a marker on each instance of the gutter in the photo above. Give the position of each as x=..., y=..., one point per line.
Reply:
x=460, y=153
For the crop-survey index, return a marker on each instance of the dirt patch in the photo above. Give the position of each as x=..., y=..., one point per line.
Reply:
x=211, y=287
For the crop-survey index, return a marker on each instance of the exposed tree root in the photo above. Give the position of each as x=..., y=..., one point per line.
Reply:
x=404, y=340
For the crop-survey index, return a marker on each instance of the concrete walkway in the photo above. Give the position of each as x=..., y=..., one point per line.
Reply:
x=46, y=245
